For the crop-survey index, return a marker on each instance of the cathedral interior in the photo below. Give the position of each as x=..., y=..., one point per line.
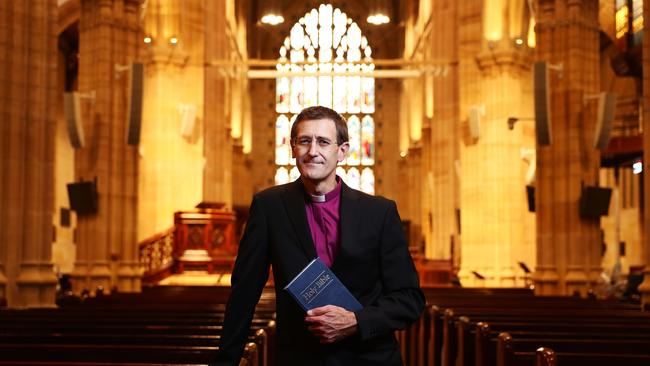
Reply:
x=509, y=132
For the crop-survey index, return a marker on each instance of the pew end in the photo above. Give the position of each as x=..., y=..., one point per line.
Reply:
x=545, y=357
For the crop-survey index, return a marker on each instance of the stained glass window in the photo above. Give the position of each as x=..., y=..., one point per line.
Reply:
x=282, y=146
x=354, y=130
x=368, y=141
x=629, y=23
x=281, y=176
x=368, y=181
x=353, y=178
x=325, y=40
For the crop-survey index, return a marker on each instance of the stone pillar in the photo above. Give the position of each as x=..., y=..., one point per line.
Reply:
x=496, y=84
x=217, y=173
x=28, y=96
x=645, y=233
x=170, y=164
x=442, y=177
x=106, y=241
x=494, y=188
x=568, y=246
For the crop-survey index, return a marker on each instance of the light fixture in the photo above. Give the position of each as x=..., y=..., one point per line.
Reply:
x=270, y=12
x=147, y=40
x=173, y=41
x=379, y=12
x=519, y=41
x=637, y=167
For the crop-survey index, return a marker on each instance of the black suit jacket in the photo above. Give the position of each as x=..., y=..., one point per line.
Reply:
x=373, y=262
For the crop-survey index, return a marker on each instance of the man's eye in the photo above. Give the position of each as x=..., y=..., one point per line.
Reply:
x=304, y=142
x=324, y=143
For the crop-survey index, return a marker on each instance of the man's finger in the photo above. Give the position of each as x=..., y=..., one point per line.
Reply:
x=322, y=310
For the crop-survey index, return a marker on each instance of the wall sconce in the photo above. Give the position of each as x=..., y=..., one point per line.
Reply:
x=173, y=41
x=271, y=13
x=379, y=12
x=148, y=40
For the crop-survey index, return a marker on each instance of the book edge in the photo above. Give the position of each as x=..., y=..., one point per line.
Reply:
x=300, y=273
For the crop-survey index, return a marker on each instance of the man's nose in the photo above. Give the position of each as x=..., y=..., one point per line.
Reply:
x=313, y=148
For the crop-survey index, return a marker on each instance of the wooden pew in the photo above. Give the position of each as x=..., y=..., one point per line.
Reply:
x=577, y=352
x=170, y=326
x=482, y=351
x=440, y=327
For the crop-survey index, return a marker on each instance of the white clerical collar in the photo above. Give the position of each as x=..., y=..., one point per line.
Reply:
x=317, y=198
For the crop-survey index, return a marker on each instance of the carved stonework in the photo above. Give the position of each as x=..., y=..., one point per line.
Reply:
x=516, y=61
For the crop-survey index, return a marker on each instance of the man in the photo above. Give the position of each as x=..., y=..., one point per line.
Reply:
x=359, y=236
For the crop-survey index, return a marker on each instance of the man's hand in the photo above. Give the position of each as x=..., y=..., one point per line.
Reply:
x=331, y=323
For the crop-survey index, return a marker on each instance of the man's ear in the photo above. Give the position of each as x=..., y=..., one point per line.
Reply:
x=343, y=151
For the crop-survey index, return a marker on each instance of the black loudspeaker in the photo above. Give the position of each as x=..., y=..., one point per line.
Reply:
x=594, y=202
x=605, y=116
x=72, y=112
x=542, y=100
x=83, y=198
x=134, y=109
x=530, y=194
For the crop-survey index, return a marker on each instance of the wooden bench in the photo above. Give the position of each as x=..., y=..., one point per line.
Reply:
x=438, y=334
x=162, y=326
x=576, y=352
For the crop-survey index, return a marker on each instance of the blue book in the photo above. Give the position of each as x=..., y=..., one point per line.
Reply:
x=316, y=285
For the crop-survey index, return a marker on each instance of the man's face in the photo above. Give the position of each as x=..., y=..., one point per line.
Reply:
x=316, y=150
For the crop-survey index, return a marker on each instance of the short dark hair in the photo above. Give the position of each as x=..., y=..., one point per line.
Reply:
x=319, y=112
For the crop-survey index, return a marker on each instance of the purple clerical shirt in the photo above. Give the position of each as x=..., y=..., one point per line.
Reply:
x=323, y=218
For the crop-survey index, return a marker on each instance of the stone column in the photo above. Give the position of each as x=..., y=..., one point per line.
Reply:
x=442, y=179
x=568, y=246
x=28, y=97
x=170, y=164
x=495, y=85
x=645, y=233
x=217, y=178
x=106, y=241
x=4, y=135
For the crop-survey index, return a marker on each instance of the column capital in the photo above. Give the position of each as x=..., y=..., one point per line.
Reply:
x=164, y=55
x=504, y=60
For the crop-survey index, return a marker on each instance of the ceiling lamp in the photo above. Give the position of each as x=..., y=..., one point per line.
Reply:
x=271, y=14
x=378, y=12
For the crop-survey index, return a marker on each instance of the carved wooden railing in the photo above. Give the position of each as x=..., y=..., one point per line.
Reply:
x=155, y=255
x=202, y=239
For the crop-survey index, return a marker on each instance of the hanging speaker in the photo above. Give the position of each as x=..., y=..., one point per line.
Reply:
x=530, y=196
x=474, y=119
x=134, y=109
x=83, y=197
x=594, y=202
x=542, y=99
x=188, y=117
x=606, y=109
x=72, y=112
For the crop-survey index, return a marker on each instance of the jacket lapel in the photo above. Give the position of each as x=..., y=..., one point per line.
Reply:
x=349, y=216
x=294, y=199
